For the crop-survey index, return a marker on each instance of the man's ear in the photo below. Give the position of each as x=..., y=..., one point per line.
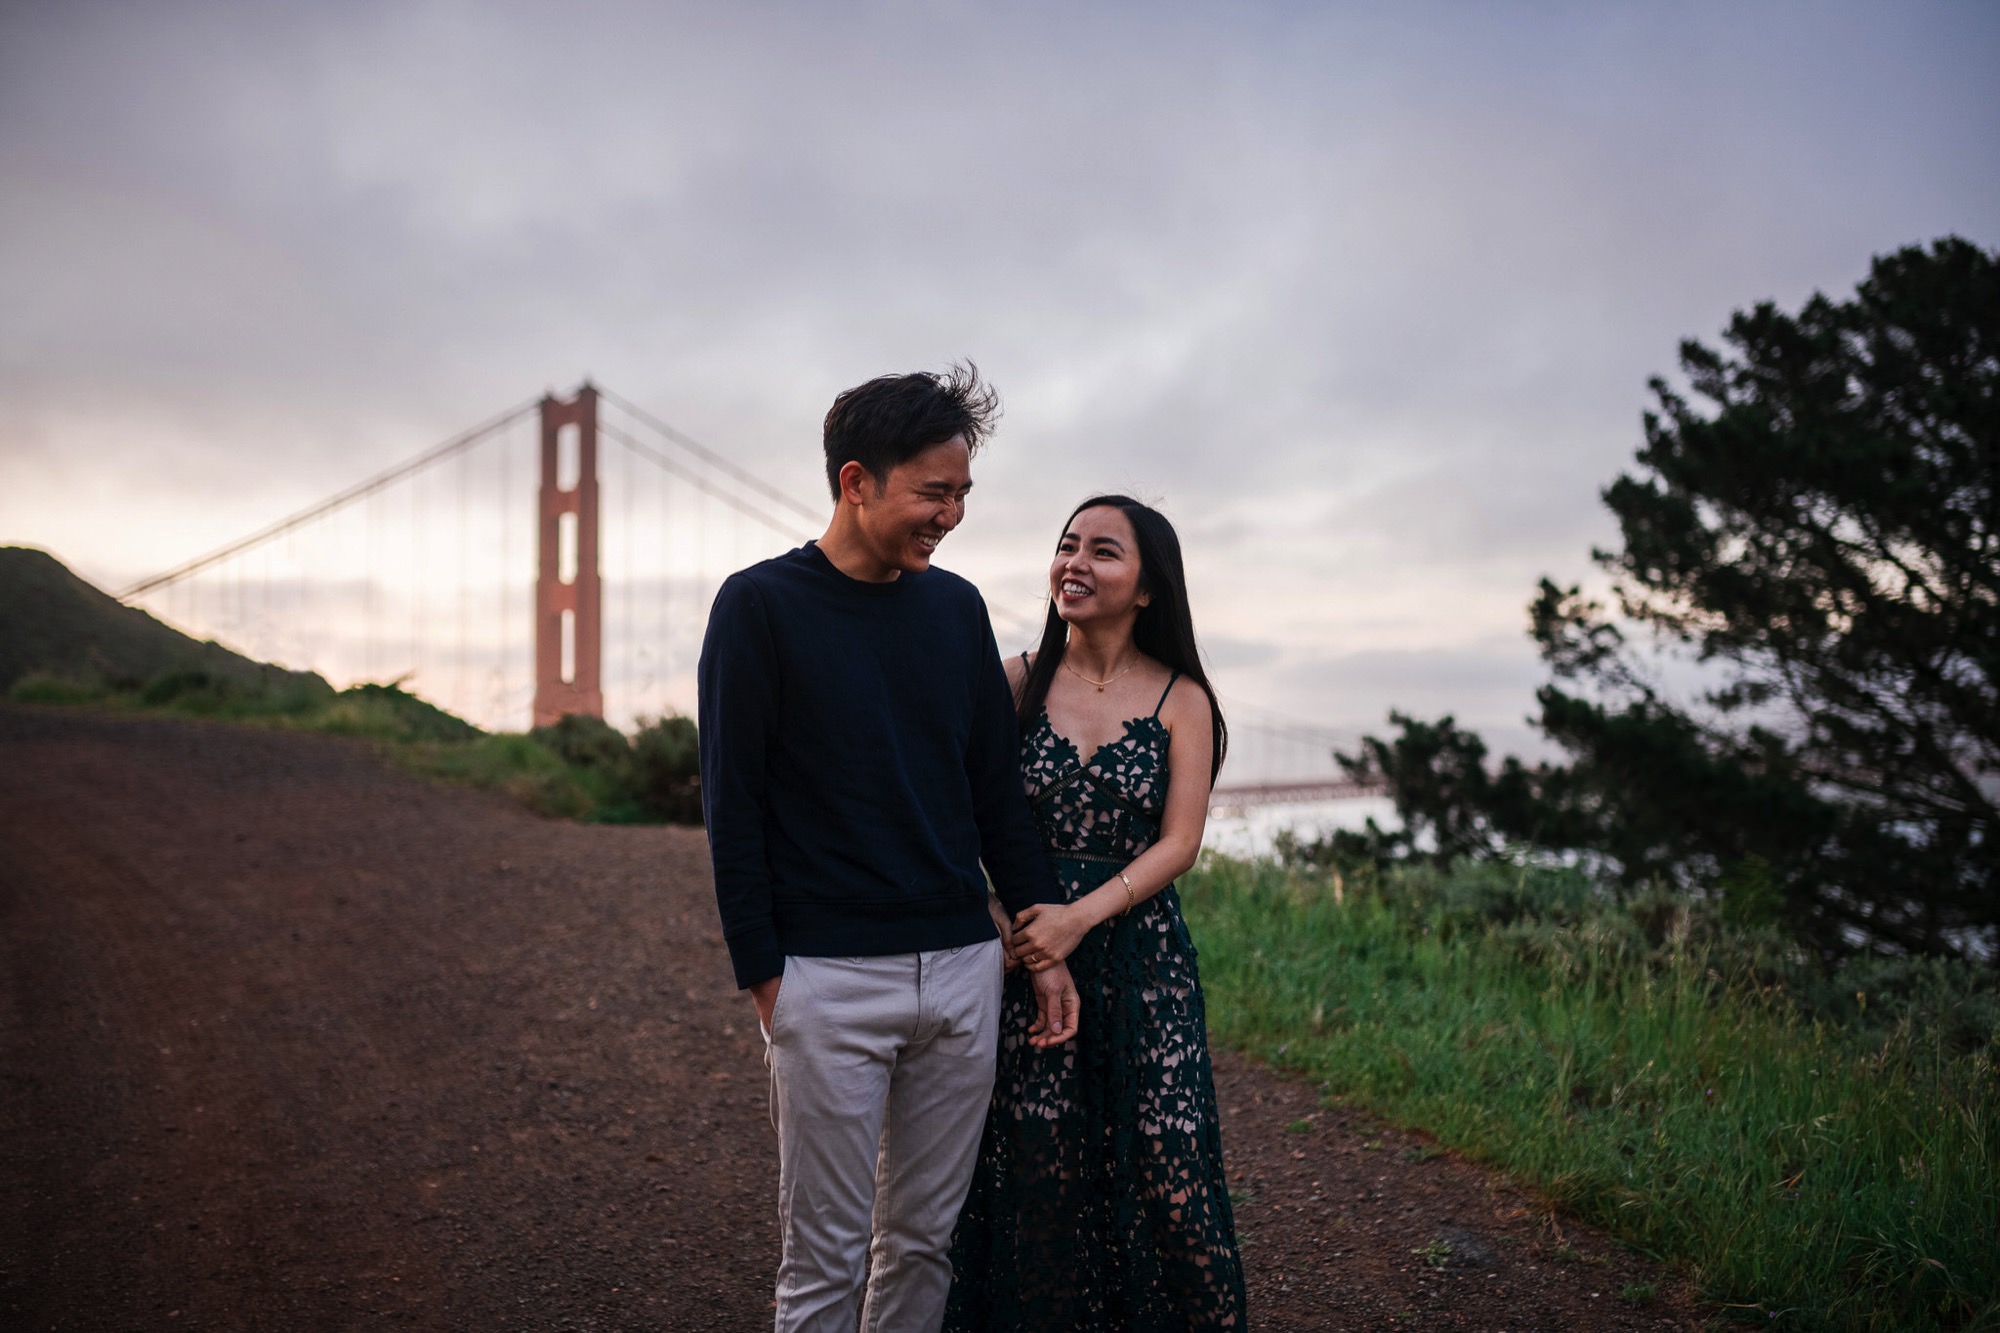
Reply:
x=857, y=484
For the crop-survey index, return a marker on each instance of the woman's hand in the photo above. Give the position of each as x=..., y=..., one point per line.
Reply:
x=1006, y=929
x=1047, y=933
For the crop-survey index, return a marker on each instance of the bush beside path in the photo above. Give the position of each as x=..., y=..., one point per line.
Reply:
x=289, y=1039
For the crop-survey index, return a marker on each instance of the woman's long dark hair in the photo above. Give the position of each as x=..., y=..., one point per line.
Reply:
x=1164, y=630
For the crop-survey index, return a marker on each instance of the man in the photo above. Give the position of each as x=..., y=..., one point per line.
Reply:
x=859, y=763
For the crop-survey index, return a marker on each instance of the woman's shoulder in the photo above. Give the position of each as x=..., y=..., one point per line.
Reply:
x=1182, y=699
x=1018, y=666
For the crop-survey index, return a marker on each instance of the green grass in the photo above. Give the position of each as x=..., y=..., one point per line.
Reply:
x=1435, y=1254
x=509, y=762
x=40, y=687
x=1812, y=1161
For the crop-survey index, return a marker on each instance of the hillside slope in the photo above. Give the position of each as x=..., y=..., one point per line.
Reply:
x=52, y=621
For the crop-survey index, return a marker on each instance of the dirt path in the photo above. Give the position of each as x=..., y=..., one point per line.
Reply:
x=291, y=1042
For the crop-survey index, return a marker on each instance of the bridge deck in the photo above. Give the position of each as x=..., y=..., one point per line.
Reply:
x=1233, y=797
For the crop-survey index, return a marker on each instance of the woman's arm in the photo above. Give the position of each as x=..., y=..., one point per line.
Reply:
x=1045, y=935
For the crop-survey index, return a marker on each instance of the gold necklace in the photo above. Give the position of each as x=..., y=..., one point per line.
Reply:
x=1100, y=684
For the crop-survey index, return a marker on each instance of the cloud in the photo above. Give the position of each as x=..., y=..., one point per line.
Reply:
x=1366, y=298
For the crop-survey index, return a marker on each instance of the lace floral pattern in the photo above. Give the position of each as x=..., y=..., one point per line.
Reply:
x=1098, y=1202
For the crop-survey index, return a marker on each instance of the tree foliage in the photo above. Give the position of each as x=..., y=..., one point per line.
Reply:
x=1448, y=804
x=1813, y=523
x=1436, y=774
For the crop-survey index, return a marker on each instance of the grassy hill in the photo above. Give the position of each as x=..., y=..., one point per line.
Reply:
x=55, y=624
x=63, y=641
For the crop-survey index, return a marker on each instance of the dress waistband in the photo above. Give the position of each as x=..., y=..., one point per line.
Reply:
x=1092, y=856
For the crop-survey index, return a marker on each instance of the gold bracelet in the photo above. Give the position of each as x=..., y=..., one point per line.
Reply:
x=1123, y=879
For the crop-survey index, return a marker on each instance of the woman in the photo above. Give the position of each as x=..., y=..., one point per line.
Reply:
x=1099, y=1201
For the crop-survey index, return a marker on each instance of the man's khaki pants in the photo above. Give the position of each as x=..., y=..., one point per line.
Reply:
x=881, y=1070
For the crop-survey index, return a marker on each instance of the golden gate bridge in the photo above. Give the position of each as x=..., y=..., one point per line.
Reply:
x=425, y=575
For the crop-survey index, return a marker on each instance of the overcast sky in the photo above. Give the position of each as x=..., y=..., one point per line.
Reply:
x=1365, y=296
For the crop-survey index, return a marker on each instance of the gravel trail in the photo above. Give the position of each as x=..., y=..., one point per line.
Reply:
x=292, y=1041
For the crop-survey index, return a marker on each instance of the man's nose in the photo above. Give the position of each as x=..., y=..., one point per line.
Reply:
x=953, y=515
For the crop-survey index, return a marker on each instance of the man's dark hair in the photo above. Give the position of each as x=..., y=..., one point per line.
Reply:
x=893, y=418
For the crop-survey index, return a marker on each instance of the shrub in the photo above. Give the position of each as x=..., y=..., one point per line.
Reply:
x=588, y=743
x=598, y=763
x=41, y=687
x=389, y=712
x=189, y=691
x=210, y=694
x=666, y=762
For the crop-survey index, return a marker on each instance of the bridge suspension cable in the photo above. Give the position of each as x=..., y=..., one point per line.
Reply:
x=714, y=459
x=358, y=491
x=1251, y=717
x=788, y=530
x=1008, y=620
x=422, y=584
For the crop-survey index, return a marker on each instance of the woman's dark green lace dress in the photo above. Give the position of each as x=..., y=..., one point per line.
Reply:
x=1098, y=1202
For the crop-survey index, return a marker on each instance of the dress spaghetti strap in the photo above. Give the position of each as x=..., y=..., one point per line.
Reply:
x=1164, y=693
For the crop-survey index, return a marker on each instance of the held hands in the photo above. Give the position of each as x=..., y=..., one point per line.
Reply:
x=1047, y=933
x=1056, y=1003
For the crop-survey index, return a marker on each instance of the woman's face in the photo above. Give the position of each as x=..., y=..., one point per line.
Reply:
x=1096, y=574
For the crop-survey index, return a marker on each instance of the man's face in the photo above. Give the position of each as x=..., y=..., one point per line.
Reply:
x=921, y=500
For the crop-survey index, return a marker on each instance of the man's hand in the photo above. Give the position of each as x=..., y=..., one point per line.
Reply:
x=1056, y=1006
x=1006, y=929
x=765, y=996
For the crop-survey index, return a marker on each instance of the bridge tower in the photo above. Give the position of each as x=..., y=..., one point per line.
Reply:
x=568, y=612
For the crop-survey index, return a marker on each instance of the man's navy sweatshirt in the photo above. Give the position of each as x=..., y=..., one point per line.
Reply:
x=859, y=761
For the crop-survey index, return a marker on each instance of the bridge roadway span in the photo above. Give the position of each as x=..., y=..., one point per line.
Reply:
x=1231, y=798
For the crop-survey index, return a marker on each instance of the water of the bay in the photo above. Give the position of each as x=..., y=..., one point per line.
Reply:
x=1251, y=831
